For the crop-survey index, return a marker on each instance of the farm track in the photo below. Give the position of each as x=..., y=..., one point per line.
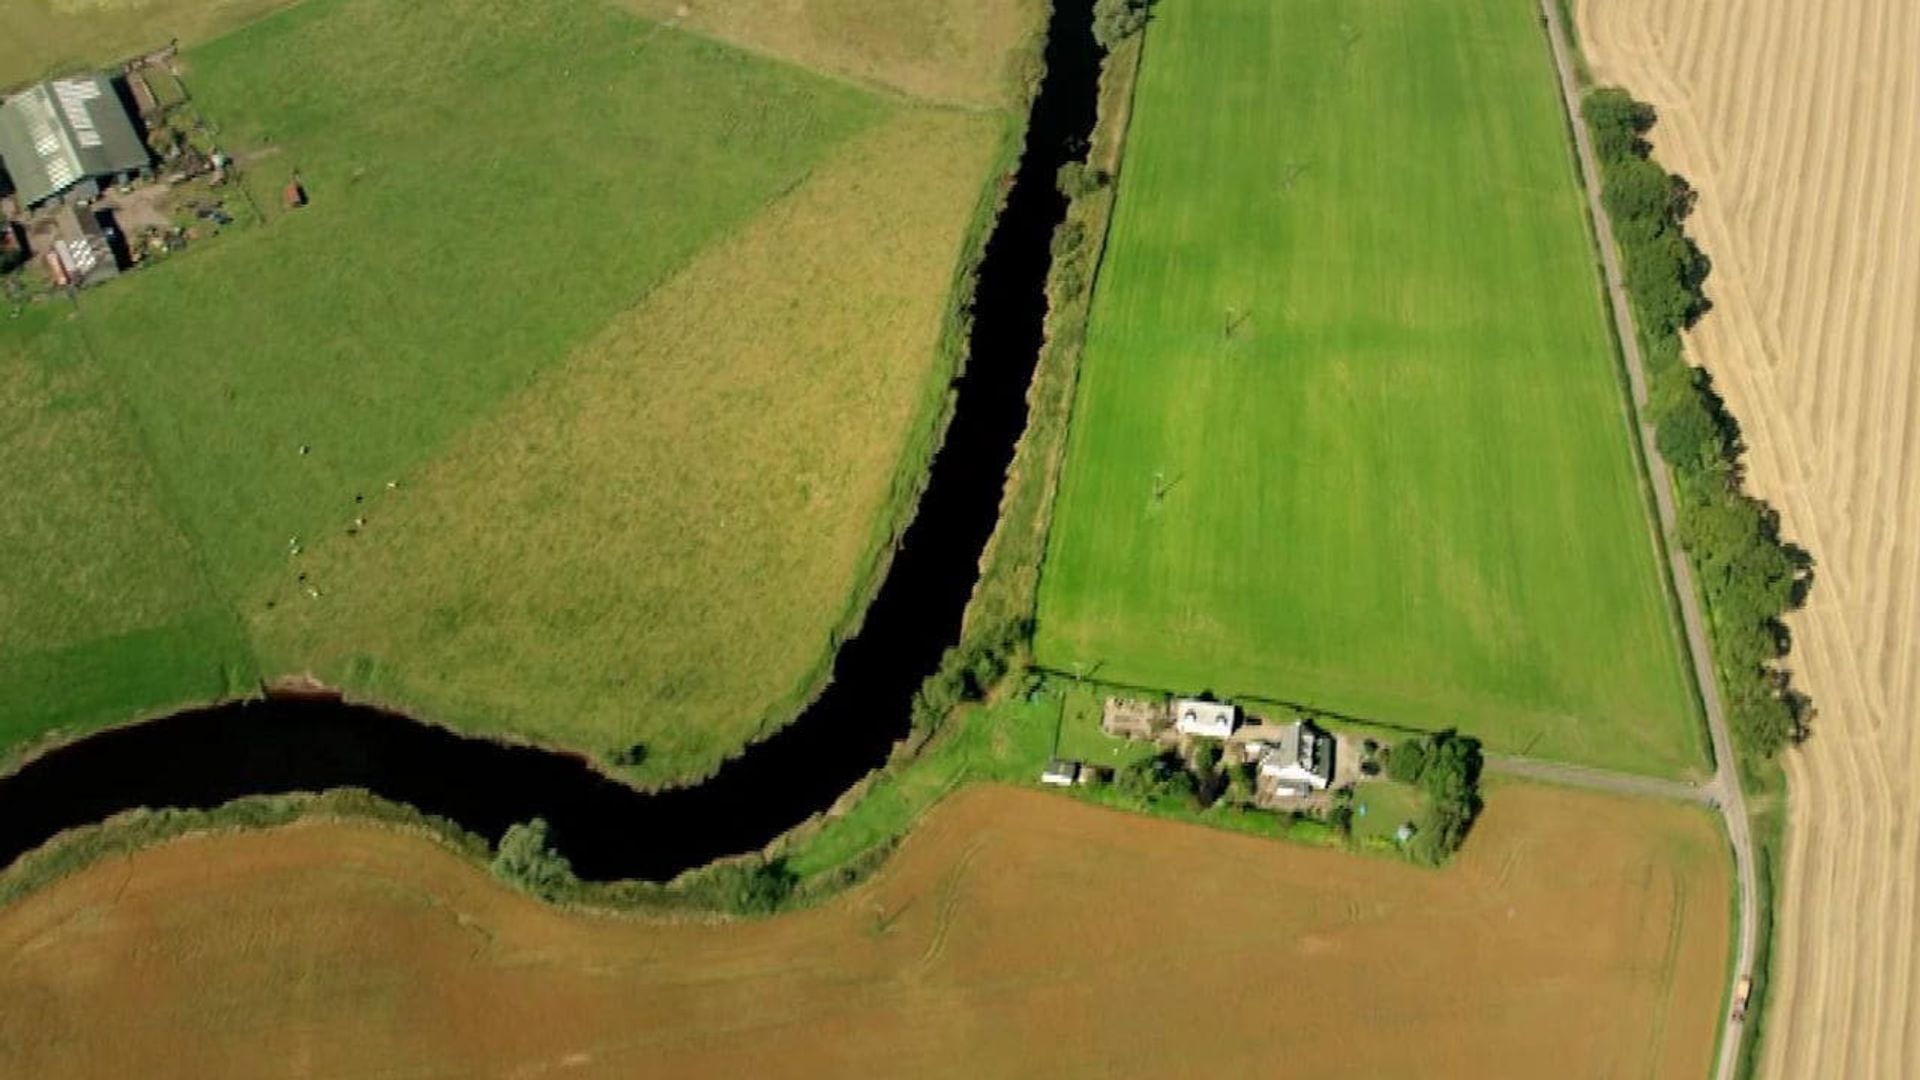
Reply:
x=1580, y=776
x=1796, y=123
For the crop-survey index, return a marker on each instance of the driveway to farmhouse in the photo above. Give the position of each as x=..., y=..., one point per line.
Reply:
x=1557, y=772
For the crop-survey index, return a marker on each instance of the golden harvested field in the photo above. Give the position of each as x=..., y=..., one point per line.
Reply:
x=1799, y=124
x=1017, y=933
x=957, y=51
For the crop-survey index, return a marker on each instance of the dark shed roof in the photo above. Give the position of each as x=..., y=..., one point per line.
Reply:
x=58, y=133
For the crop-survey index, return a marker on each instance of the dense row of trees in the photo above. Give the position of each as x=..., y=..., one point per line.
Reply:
x=1750, y=576
x=1446, y=766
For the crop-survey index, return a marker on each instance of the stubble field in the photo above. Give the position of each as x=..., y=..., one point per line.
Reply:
x=1016, y=934
x=1349, y=430
x=1796, y=123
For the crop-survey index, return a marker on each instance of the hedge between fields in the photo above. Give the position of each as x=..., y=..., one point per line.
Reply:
x=1749, y=576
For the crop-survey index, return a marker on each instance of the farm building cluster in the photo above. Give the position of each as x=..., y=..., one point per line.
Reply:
x=102, y=171
x=1296, y=763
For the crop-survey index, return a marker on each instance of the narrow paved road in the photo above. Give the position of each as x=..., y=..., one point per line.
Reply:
x=1724, y=790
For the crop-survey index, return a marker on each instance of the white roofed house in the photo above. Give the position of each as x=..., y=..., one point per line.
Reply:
x=1205, y=719
x=1299, y=760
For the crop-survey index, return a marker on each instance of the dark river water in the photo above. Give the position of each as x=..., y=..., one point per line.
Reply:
x=205, y=757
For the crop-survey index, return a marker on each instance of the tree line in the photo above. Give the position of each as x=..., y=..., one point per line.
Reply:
x=1446, y=766
x=1749, y=576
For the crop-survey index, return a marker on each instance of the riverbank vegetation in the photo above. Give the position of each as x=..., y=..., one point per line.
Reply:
x=512, y=424
x=1348, y=430
x=1749, y=575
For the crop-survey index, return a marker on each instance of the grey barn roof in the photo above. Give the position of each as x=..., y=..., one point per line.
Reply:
x=58, y=133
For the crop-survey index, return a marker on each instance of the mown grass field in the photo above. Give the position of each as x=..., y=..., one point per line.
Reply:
x=102, y=597
x=1349, y=430
x=1016, y=933
x=582, y=388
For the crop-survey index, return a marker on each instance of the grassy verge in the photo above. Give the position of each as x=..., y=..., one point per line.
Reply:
x=1010, y=566
x=1766, y=792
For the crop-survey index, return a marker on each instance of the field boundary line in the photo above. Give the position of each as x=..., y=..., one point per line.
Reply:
x=1725, y=786
x=1585, y=776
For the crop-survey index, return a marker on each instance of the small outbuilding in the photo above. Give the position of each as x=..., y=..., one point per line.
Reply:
x=68, y=136
x=1205, y=719
x=84, y=250
x=1061, y=772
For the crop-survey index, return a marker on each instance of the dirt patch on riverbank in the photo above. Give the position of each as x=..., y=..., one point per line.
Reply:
x=1016, y=933
x=1796, y=124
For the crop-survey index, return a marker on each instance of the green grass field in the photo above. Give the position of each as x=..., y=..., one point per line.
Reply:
x=103, y=601
x=586, y=319
x=1349, y=431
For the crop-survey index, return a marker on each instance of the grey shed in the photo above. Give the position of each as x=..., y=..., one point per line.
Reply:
x=64, y=133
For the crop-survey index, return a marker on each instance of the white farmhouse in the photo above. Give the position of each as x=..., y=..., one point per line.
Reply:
x=1205, y=719
x=1301, y=758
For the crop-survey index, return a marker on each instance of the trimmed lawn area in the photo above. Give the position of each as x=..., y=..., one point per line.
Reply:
x=1081, y=737
x=1349, y=431
x=1381, y=806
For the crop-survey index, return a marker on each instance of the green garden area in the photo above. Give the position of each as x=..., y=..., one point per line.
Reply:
x=502, y=426
x=1349, y=431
